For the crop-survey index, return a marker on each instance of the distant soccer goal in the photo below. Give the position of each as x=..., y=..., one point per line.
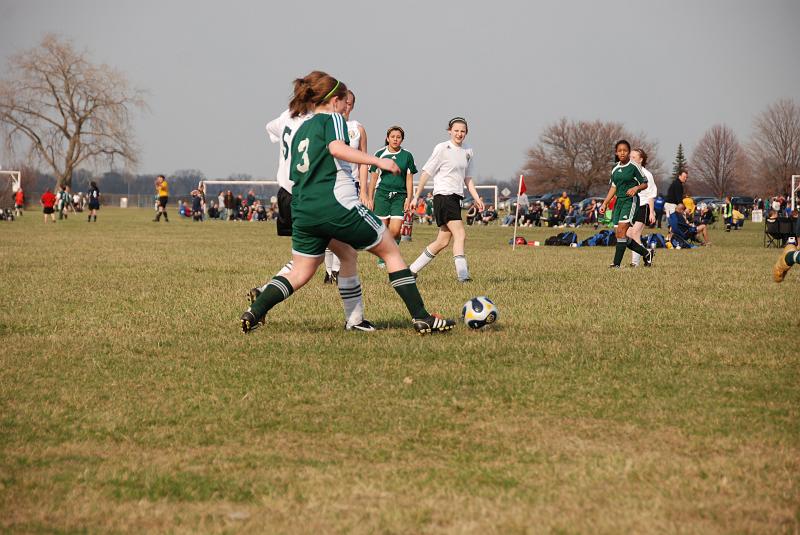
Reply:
x=15, y=177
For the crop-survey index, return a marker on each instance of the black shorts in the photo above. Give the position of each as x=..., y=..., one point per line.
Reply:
x=446, y=208
x=49, y=210
x=284, y=213
x=642, y=214
x=94, y=205
x=162, y=201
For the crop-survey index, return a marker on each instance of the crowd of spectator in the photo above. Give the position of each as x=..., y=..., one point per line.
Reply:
x=229, y=207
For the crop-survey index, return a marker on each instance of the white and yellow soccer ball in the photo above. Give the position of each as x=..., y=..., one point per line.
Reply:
x=479, y=312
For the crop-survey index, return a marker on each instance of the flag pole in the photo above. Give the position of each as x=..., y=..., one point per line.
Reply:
x=516, y=215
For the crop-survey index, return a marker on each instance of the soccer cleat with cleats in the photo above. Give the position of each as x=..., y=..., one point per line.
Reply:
x=465, y=280
x=364, y=326
x=327, y=279
x=648, y=258
x=250, y=323
x=433, y=324
x=781, y=268
x=335, y=278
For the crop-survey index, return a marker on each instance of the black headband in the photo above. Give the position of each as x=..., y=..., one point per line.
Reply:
x=456, y=120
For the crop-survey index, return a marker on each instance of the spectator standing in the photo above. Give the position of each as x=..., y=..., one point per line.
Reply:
x=675, y=193
x=565, y=201
x=658, y=207
x=229, y=202
x=48, y=202
x=221, y=205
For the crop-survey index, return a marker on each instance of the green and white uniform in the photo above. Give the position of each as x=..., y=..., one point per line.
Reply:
x=625, y=177
x=391, y=191
x=325, y=202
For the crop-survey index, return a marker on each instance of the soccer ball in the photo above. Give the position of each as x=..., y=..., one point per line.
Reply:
x=479, y=312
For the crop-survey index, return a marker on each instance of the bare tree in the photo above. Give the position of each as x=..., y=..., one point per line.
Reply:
x=775, y=146
x=578, y=155
x=61, y=109
x=716, y=161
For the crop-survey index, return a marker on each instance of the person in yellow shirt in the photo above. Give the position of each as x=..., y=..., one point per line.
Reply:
x=564, y=200
x=162, y=192
x=688, y=202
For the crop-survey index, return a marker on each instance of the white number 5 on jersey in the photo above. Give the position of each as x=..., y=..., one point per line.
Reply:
x=303, y=147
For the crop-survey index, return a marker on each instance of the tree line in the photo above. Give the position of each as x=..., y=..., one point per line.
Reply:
x=62, y=112
x=576, y=156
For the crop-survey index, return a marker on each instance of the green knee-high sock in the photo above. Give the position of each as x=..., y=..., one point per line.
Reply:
x=405, y=285
x=277, y=290
x=637, y=248
x=792, y=258
x=622, y=244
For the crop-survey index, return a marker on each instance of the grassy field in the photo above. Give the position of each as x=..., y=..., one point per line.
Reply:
x=648, y=400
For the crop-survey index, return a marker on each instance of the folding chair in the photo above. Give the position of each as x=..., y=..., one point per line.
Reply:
x=777, y=231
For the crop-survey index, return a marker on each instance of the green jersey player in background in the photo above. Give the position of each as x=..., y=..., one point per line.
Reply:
x=628, y=178
x=326, y=210
x=389, y=194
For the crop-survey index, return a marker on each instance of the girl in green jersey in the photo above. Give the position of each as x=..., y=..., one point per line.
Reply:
x=326, y=210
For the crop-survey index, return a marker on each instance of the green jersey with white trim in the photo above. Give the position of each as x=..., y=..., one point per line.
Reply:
x=625, y=177
x=394, y=183
x=324, y=188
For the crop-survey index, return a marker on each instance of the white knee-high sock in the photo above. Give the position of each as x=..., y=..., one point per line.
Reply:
x=352, y=299
x=329, y=260
x=635, y=257
x=462, y=272
x=336, y=264
x=422, y=260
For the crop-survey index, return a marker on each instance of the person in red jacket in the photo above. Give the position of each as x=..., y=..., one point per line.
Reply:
x=48, y=203
x=19, y=202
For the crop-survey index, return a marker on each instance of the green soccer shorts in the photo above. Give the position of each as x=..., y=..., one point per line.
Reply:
x=625, y=210
x=389, y=204
x=359, y=228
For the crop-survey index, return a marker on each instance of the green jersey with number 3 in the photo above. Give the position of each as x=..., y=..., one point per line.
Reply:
x=324, y=188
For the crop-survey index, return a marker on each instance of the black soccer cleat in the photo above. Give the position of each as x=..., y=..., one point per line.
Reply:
x=433, y=324
x=335, y=278
x=249, y=322
x=364, y=326
x=648, y=259
x=327, y=279
x=253, y=294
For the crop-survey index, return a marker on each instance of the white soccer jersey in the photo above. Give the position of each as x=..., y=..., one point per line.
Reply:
x=281, y=130
x=450, y=165
x=651, y=191
x=354, y=132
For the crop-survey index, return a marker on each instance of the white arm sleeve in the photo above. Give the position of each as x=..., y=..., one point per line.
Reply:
x=433, y=163
x=274, y=127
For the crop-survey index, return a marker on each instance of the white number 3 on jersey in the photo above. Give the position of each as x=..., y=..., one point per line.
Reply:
x=303, y=147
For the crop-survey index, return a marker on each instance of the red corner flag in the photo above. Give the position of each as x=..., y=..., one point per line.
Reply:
x=522, y=188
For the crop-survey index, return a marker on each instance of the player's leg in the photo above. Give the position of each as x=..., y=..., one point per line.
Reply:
x=456, y=228
x=789, y=257
x=350, y=287
x=432, y=249
x=404, y=283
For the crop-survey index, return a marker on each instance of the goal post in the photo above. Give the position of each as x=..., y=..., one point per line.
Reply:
x=15, y=177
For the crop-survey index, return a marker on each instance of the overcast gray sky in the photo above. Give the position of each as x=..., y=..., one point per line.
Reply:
x=216, y=72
